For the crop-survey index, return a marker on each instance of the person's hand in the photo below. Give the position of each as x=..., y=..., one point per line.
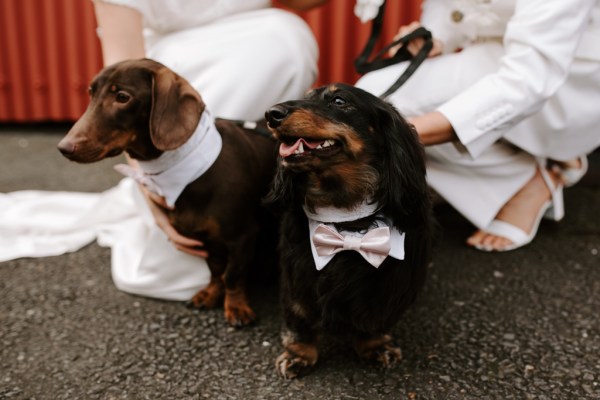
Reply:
x=433, y=128
x=158, y=206
x=415, y=45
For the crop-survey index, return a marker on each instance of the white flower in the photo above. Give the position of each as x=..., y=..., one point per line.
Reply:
x=366, y=10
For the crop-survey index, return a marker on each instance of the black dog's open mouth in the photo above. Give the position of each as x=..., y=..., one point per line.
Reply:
x=291, y=148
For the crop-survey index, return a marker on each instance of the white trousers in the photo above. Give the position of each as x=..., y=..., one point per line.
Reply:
x=567, y=126
x=241, y=65
x=244, y=63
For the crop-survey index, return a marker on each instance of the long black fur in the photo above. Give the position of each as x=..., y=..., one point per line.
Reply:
x=350, y=298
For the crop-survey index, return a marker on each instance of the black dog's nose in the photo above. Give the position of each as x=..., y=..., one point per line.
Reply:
x=275, y=115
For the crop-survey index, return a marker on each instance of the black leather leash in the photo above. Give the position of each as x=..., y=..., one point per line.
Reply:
x=363, y=65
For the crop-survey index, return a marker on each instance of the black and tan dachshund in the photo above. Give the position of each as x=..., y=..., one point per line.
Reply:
x=144, y=109
x=356, y=227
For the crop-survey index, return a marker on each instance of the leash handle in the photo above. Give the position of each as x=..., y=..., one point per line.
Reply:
x=415, y=61
x=363, y=65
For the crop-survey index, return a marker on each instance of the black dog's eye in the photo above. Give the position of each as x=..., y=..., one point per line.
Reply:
x=123, y=97
x=338, y=101
x=90, y=90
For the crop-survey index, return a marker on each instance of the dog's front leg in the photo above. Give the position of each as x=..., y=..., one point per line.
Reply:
x=210, y=296
x=299, y=340
x=241, y=256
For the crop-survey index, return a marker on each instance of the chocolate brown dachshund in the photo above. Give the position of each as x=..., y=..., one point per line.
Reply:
x=144, y=109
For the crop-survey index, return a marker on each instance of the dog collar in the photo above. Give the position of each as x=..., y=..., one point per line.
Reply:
x=374, y=245
x=332, y=214
x=170, y=173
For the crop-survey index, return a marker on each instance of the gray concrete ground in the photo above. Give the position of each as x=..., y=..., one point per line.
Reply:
x=519, y=325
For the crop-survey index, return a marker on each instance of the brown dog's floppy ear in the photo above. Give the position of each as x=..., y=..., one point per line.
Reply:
x=176, y=110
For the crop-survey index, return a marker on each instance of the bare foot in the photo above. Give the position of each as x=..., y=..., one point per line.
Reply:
x=520, y=211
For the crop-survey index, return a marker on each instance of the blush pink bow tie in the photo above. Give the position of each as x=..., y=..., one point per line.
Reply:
x=374, y=246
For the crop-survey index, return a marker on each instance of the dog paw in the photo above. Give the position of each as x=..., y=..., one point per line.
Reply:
x=239, y=315
x=378, y=349
x=210, y=296
x=386, y=355
x=290, y=366
x=205, y=299
x=389, y=356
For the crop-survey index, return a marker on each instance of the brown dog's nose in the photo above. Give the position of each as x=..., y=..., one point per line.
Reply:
x=275, y=115
x=66, y=147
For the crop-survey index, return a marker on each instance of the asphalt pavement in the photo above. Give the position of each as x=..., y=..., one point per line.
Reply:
x=517, y=325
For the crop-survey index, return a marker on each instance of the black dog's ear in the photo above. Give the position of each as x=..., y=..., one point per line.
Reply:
x=403, y=187
x=176, y=110
x=282, y=189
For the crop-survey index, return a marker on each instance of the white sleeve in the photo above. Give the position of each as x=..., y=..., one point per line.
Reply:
x=540, y=43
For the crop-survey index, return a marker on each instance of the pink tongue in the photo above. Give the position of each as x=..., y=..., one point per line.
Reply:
x=286, y=150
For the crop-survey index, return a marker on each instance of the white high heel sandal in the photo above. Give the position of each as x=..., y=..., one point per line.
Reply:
x=572, y=175
x=552, y=209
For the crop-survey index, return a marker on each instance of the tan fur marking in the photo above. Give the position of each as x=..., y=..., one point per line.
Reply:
x=378, y=349
x=237, y=309
x=303, y=123
x=369, y=344
x=209, y=297
x=306, y=351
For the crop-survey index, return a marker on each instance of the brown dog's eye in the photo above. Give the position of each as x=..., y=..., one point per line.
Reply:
x=123, y=97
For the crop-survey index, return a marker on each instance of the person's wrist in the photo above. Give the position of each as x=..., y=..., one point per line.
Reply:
x=433, y=128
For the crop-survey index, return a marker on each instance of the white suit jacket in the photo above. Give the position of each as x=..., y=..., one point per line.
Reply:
x=541, y=38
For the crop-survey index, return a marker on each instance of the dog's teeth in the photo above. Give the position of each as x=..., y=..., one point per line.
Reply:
x=300, y=149
x=319, y=147
x=328, y=143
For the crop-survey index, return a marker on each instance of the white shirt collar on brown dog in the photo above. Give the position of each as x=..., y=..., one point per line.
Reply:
x=170, y=173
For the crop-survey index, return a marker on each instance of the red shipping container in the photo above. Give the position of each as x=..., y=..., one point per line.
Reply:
x=49, y=52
